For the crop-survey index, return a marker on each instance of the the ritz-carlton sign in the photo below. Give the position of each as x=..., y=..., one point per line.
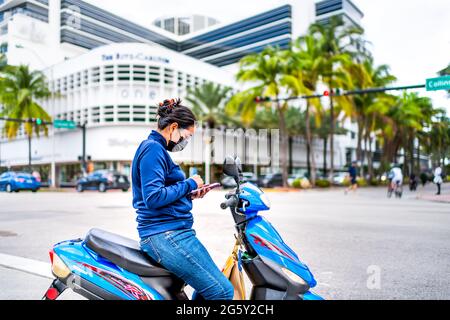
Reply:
x=131, y=56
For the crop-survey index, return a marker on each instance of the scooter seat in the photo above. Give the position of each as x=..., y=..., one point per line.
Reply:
x=125, y=253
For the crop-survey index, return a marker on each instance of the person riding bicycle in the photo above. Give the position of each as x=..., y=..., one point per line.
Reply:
x=396, y=177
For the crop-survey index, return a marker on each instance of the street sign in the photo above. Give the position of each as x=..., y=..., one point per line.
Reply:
x=441, y=83
x=64, y=124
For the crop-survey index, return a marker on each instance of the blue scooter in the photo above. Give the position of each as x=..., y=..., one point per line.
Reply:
x=107, y=266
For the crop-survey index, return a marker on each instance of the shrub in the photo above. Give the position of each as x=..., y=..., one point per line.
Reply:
x=301, y=183
x=448, y=178
x=374, y=182
x=346, y=182
x=323, y=183
x=297, y=184
x=361, y=182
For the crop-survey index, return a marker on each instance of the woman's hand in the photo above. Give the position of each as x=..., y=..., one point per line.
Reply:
x=198, y=180
x=200, y=194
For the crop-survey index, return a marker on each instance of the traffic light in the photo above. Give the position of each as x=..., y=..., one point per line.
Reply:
x=38, y=121
x=262, y=99
x=326, y=93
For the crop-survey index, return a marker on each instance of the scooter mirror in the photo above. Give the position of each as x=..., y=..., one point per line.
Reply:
x=230, y=168
x=238, y=162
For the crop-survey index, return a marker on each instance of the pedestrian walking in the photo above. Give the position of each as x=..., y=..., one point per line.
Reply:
x=352, y=173
x=438, y=179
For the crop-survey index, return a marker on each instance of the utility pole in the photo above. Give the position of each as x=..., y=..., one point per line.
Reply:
x=83, y=157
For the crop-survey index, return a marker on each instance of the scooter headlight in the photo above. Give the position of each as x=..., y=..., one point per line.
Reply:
x=265, y=200
x=294, y=277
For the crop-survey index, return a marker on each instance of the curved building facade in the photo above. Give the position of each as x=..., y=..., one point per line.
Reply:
x=114, y=90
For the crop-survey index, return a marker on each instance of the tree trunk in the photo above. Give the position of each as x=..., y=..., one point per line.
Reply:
x=370, y=159
x=411, y=169
x=308, y=141
x=359, y=143
x=333, y=122
x=29, y=153
x=311, y=157
x=419, y=169
x=284, y=145
x=291, y=161
x=325, y=140
x=363, y=172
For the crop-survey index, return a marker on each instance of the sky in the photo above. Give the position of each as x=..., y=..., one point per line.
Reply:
x=411, y=36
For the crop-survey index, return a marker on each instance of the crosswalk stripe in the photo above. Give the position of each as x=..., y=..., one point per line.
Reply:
x=34, y=267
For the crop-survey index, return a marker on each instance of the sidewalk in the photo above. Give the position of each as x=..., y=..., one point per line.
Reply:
x=445, y=198
x=429, y=193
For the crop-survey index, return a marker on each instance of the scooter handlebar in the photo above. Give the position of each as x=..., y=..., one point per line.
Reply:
x=231, y=202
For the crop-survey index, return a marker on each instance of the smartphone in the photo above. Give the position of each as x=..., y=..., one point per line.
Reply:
x=207, y=187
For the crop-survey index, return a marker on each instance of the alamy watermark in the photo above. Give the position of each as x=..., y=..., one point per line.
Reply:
x=374, y=280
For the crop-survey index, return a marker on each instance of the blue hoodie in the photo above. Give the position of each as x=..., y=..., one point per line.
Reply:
x=160, y=189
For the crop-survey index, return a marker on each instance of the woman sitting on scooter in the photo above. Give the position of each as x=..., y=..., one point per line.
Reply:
x=161, y=197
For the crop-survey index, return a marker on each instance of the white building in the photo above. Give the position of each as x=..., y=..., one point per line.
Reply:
x=110, y=73
x=185, y=24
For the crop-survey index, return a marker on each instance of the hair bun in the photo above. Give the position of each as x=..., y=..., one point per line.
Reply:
x=166, y=107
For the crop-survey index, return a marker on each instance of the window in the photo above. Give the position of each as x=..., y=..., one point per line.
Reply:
x=123, y=113
x=139, y=73
x=138, y=113
x=95, y=114
x=108, y=113
x=96, y=75
x=124, y=72
x=109, y=73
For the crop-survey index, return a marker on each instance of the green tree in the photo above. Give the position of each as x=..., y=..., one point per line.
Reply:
x=301, y=78
x=338, y=44
x=208, y=104
x=20, y=91
x=263, y=71
x=364, y=75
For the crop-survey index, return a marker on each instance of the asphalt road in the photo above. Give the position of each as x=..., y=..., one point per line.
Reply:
x=358, y=246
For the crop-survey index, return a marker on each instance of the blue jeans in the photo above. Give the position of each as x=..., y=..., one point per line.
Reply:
x=180, y=252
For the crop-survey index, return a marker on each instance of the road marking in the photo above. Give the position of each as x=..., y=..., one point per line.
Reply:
x=34, y=267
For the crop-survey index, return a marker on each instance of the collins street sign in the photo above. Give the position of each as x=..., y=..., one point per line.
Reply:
x=441, y=83
x=64, y=124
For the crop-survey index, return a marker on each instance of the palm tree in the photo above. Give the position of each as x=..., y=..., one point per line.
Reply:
x=363, y=75
x=263, y=71
x=20, y=89
x=322, y=131
x=400, y=121
x=208, y=101
x=338, y=43
x=301, y=78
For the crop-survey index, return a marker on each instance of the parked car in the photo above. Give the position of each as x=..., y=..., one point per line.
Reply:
x=271, y=180
x=16, y=181
x=229, y=183
x=104, y=180
x=339, y=178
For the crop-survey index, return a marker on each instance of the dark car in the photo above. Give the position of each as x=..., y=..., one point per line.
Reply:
x=104, y=180
x=271, y=180
x=17, y=181
x=229, y=183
